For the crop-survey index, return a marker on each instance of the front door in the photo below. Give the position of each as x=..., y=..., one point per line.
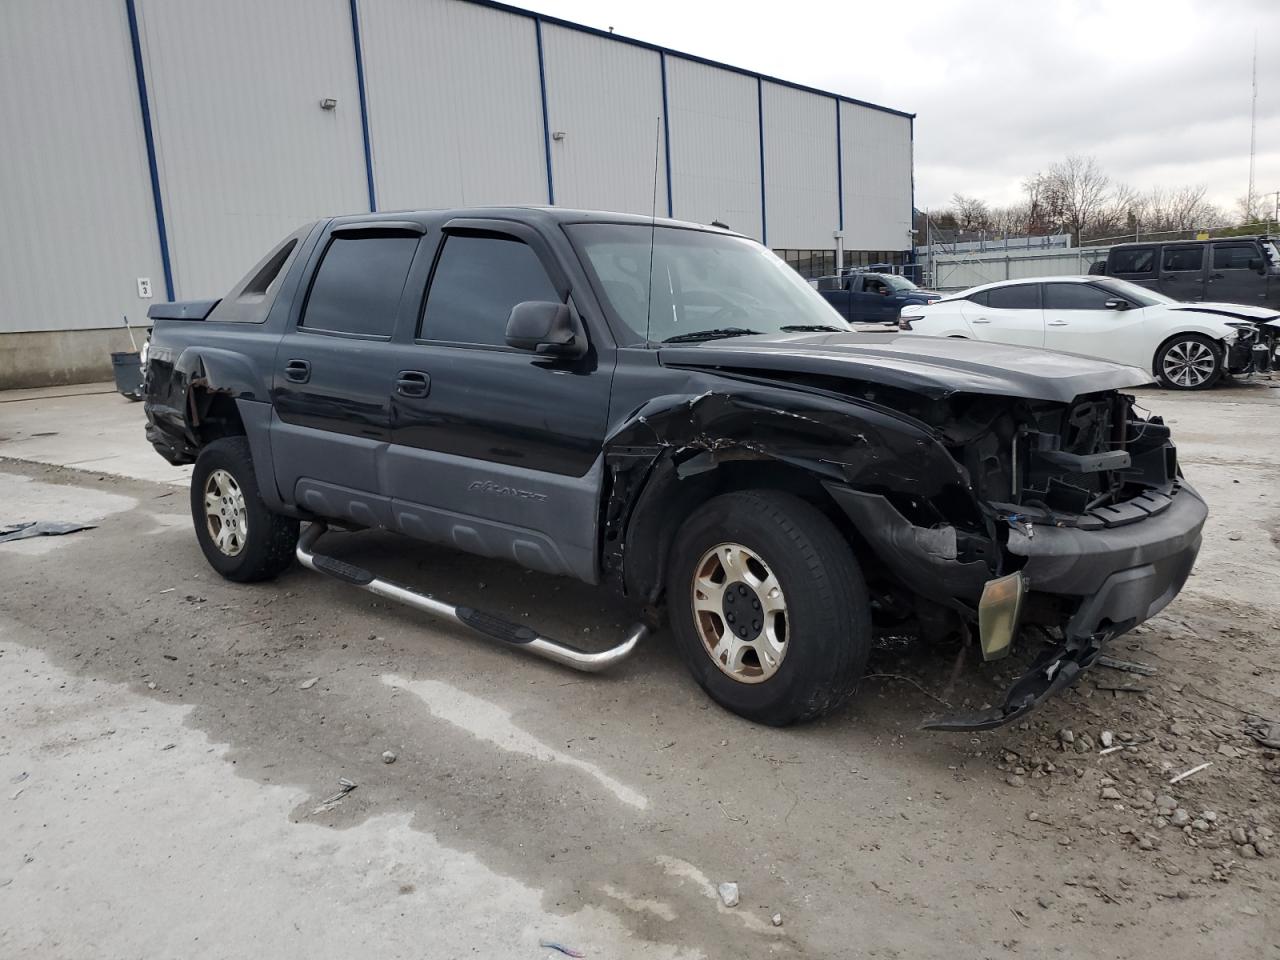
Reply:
x=1009, y=314
x=334, y=366
x=1237, y=274
x=1077, y=320
x=1182, y=271
x=501, y=455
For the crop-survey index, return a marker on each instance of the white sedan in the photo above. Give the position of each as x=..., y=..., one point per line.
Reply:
x=1187, y=346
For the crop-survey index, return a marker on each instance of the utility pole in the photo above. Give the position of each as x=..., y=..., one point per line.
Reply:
x=1250, y=197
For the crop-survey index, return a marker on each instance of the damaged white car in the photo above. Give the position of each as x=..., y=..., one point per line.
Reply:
x=1186, y=346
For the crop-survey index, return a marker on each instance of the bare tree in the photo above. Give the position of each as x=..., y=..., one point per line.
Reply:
x=970, y=213
x=1080, y=191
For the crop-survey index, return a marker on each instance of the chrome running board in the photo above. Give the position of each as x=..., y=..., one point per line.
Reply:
x=487, y=624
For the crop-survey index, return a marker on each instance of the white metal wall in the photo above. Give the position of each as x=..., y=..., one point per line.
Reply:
x=715, y=145
x=606, y=98
x=245, y=153
x=802, y=203
x=75, y=192
x=876, y=153
x=455, y=108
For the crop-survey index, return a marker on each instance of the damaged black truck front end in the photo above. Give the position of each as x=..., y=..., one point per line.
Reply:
x=1018, y=495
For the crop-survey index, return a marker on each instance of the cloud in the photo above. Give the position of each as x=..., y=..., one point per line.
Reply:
x=1159, y=94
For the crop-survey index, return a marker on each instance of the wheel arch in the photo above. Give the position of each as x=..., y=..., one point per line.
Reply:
x=1217, y=337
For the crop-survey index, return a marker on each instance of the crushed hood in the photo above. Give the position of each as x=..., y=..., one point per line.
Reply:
x=1237, y=311
x=931, y=366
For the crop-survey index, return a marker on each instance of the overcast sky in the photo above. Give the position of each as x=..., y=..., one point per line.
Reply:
x=1158, y=92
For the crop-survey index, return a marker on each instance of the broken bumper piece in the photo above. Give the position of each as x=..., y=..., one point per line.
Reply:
x=1054, y=670
x=1121, y=576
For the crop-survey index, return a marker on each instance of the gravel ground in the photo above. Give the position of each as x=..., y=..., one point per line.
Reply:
x=171, y=748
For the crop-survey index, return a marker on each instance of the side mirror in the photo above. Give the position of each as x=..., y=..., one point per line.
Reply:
x=1115, y=303
x=548, y=328
x=1255, y=264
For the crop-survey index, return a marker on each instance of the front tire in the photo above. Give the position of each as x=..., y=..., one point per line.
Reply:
x=1189, y=361
x=769, y=607
x=242, y=539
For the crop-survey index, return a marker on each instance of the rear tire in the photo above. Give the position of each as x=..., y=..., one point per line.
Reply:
x=1189, y=361
x=241, y=538
x=777, y=567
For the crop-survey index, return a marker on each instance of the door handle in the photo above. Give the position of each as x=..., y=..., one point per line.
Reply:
x=297, y=371
x=1217, y=276
x=981, y=320
x=1059, y=323
x=413, y=383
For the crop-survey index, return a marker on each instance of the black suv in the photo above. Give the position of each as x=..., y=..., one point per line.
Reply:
x=668, y=410
x=1226, y=270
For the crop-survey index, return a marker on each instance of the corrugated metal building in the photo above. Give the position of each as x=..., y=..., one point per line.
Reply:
x=173, y=141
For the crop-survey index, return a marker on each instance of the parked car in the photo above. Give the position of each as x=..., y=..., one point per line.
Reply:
x=1227, y=270
x=669, y=411
x=1187, y=346
x=871, y=297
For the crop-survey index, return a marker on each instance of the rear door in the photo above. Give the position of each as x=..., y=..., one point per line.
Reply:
x=1237, y=273
x=334, y=368
x=502, y=454
x=1010, y=314
x=1135, y=264
x=1182, y=273
x=1077, y=320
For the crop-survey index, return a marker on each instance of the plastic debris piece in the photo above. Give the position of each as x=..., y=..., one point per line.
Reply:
x=567, y=951
x=1186, y=773
x=40, y=528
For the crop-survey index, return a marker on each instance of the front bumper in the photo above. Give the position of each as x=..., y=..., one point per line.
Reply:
x=1118, y=577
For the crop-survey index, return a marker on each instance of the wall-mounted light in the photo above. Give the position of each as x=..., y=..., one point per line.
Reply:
x=558, y=135
x=328, y=103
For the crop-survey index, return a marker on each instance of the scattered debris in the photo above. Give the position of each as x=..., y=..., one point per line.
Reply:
x=1194, y=770
x=1128, y=666
x=308, y=684
x=1103, y=753
x=1106, y=738
x=330, y=802
x=168, y=746
x=20, y=777
x=728, y=894
x=388, y=756
x=776, y=919
x=40, y=528
x=567, y=951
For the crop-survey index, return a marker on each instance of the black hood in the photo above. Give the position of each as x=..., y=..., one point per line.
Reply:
x=931, y=366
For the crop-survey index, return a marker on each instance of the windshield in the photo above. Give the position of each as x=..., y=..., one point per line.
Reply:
x=898, y=283
x=1131, y=291
x=703, y=283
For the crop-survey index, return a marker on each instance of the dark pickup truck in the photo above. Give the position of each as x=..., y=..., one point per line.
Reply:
x=872, y=297
x=667, y=410
x=1225, y=270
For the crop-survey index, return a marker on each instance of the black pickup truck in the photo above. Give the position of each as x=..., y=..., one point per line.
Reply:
x=669, y=411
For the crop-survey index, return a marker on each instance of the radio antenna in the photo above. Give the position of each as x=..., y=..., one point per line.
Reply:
x=653, y=228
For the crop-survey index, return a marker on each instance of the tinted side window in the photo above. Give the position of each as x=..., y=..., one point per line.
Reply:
x=1022, y=296
x=357, y=288
x=477, y=281
x=1182, y=258
x=1234, y=256
x=1075, y=296
x=1137, y=260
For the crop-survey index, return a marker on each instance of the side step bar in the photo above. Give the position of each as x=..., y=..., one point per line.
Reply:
x=484, y=623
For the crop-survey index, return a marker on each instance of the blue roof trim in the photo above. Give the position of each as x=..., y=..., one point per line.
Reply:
x=666, y=128
x=583, y=28
x=764, y=215
x=144, y=105
x=839, y=172
x=364, y=107
x=546, y=122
